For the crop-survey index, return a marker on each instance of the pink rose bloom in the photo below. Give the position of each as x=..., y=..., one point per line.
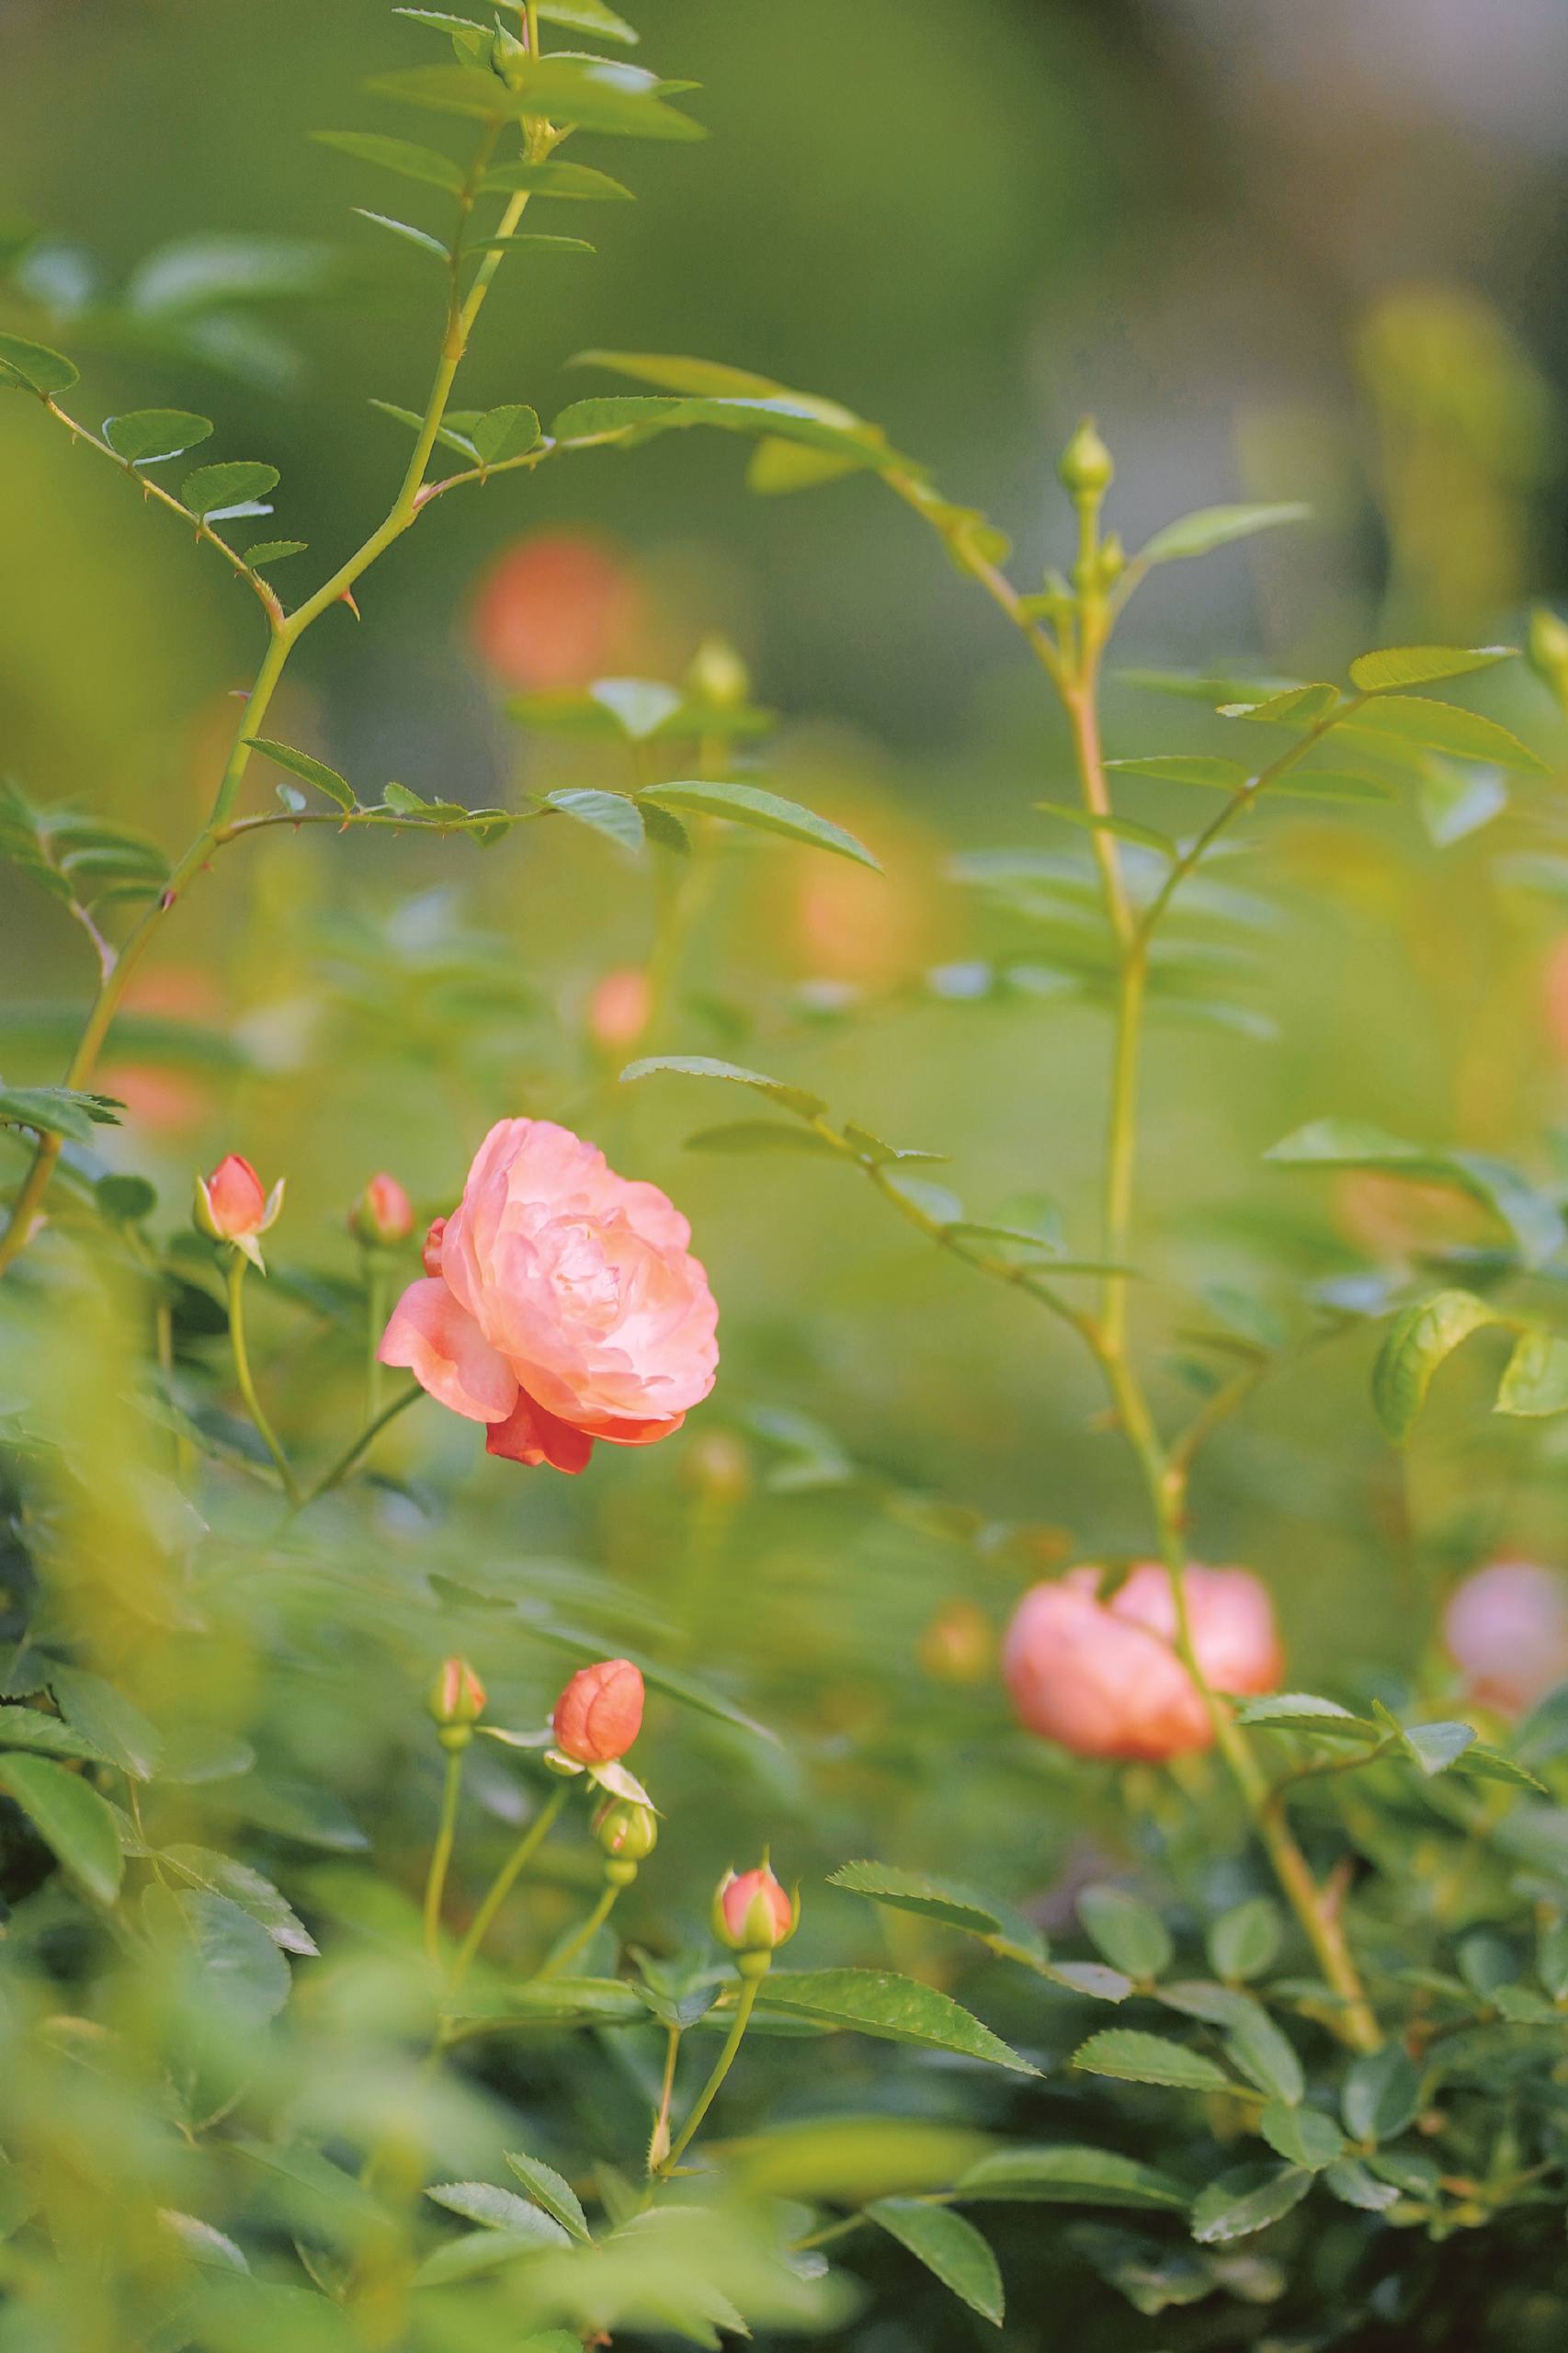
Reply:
x=561, y=1303
x=1506, y=1629
x=1103, y=1679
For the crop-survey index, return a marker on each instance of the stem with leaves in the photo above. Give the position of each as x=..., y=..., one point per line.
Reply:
x=745, y=2002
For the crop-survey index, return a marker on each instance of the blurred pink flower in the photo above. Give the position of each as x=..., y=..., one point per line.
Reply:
x=566, y=1306
x=1102, y=1680
x=555, y=611
x=1507, y=1629
x=599, y=1714
x=383, y=1214
x=619, y=1005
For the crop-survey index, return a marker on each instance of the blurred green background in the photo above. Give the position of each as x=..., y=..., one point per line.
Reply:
x=1275, y=261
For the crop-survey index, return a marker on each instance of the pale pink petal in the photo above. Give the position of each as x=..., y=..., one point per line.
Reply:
x=447, y=1354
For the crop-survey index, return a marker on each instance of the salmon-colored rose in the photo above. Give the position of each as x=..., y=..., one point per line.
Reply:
x=1103, y=1679
x=556, y=611
x=1506, y=1629
x=567, y=1306
x=599, y=1714
x=618, y=1006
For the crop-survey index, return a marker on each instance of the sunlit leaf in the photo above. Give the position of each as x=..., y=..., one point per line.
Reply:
x=406, y=229
x=1442, y=727
x=309, y=770
x=1419, y=665
x=498, y=2209
x=790, y=1098
x=1535, y=1380
x=237, y=482
x=1216, y=526
x=634, y=416
x=956, y=1906
x=547, y=2188
x=748, y=805
x=609, y=813
x=1419, y=1339
x=58, y=1110
x=594, y=94
x=34, y=366
x=266, y=552
x=893, y=2008
x=1246, y=2198
x=502, y=433
x=1136, y=2057
x=145, y=435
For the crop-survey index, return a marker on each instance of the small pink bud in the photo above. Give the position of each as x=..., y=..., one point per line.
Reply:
x=457, y=1696
x=230, y=1205
x=619, y=1005
x=1507, y=1629
x=430, y=1251
x=383, y=1214
x=751, y=1912
x=599, y=1714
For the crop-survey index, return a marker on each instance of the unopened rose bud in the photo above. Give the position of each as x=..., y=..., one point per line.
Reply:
x=383, y=1214
x=618, y=1009
x=456, y=1702
x=752, y=1913
x=1085, y=469
x=958, y=1645
x=232, y=1206
x=717, y=675
x=628, y=1832
x=599, y=1714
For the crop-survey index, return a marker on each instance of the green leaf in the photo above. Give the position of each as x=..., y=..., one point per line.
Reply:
x=1244, y=1940
x=1535, y=1380
x=273, y=551
x=1432, y=1748
x=1135, y=2057
x=109, y=1719
x=1534, y=1221
x=146, y=436
x=706, y=378
x=547, y=2188
x=1092, y=1979
x=46, y=1735
x=556, y=2001
x=789, y=1098
x=1351, y=2183
x=1302, y=2135
x=446, y=435
x=747, y=804
x=787, y=417
x=1189, y=767
x=1456, y=801
x=406, y=229
x=1130, y=1935
x=1419, y=1339
x=1418, y=665
x=593, y=94
x=502, y=433
x=58, y=1111
x=1256, y=2046
x=609, y=813
x=1246, y=2198
x=222, y=1875
x=1123, y=828
x=578, y=182
x=240, y=1963
x=498, y=2209
x=235, y=483
x=588, y=17
x=71, y=1818
x=1380, y=2095
x=1442, y=727
x=1216, y=526
x=1295, y=707
x=1480, y=1763
x=479, y=2253
x=1069, y=2176
x=35, y=365
x=956, y=1905
x=762, y=1135
x=309, y=770
x=400, y=156
x=948, y=2246
x=896, y=2010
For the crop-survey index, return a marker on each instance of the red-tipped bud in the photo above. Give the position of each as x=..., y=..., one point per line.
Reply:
x=457, y=1696
x=383, y=1214
x=618, y=1006
x=430, y=1249
x=599, y=1714
x=752, y=1913
x=231, y=1204
x=628, y=1832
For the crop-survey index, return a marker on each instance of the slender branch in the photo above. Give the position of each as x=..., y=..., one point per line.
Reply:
x=505, y=1879
x=350, y=1455
x=238, y=1263
x=659, y=2139
x=722, y=2066
x=441, y=1853
x=587, y=1931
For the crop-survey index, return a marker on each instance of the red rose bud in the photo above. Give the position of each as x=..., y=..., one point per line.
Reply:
x=752, y=1913
x=599, y=1714
x=383, y=1214
x=628, y=1832
x=456, y=1701
x=230, y=1205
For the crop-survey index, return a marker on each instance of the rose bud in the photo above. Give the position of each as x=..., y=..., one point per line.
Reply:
x=565, y=1308
x=383, y=1214
x=628, y=1832
x=456, y=1701
x=752, y=1914
x=958, y=1645
x=1085, y=470
x=718, y=677
x=618, y=1009
x=1507, y=1630
x=230, y=1205
x=599, y=1714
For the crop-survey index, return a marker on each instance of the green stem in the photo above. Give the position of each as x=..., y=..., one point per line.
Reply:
x=375, y=1325
x=505, y=1879
x=441, y=1853
x=372, y=1430
x=585, y=1933
x=238, y=1263
x=722, y=2066
x=659, y=2139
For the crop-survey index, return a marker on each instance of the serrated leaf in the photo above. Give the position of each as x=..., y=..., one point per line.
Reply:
x=307, y=768
x=1257, y=2049
x=897, y=2009
x=1302, y=2135
x=547, y=2188
x=58, y=1110
x=1244, y=1940
x=406, y=230
x=72, y=1820
x=1069, y=2175
x=790, y=1098
x=1421, y=1338
x=498, y=2209
x=235, y=482
x=35, y=365
x=401, y=155
x=1295, y=707
x=145, y=435
x=950, y=2246
x=241, y=1966
x=1431, y=1747
x=46, y=1735
x=588, y=17
x=1352, y=2184
x=502, y=433
x=1442, y=727
x=1132, y=2057
x=222, y=1875
x=1535, y=1380
x=1419, y=665
x=1481, y=1762
x=747, y=804
x=609, y=813
x=762, y=1135
x=638, y=416
x=1216, y=526
x=1129, y=1933
x=1094, y=1980
x=705, y=378
x=273, y=551
x=1380, y=2095
x=956, y=1905
x=1246, y=2198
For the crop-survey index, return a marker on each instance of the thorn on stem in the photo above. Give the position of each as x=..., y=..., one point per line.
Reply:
x=347, y=598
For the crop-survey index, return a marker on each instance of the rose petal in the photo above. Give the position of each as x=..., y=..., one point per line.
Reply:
x=531, y=1435
x=447, y=1354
